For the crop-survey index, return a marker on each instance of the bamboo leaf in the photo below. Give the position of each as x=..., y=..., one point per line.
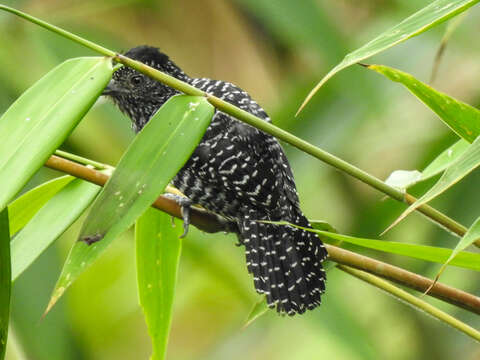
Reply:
x=157, y=153
x=462, y=118
x=25, y=207
x=465, y=164
x=158, y=249
x=466, y=260
x=468, y=239
x=435, y=13
x=40, y=120
x=403, y=179
x=50, y=222
x=260, y=308
x=5, y=283
x=445, y=159
x=463, y=259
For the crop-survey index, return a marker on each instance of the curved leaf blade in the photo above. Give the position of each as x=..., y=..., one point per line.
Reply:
x=50, y=222
x=5, y=283
x=156, y=154
x=259, y=308
x=428, y=17
x=40, y=120
x=158, y=249
x=464, y=165
x=403, y=179
x=464, y=260
x=461, y=118
x=468, y=239
x=445, y=159
x=26, y=206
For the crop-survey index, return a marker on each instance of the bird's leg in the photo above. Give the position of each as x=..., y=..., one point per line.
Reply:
x=185, y=204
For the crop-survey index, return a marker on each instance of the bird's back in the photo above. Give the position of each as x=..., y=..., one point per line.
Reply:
x=243, y=174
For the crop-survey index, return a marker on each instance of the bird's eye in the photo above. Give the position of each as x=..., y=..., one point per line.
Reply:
x=136, y=80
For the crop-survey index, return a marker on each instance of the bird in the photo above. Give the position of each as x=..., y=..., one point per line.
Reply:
x=240, y=173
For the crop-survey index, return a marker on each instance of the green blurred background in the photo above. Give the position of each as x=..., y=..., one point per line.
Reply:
x=276, y=50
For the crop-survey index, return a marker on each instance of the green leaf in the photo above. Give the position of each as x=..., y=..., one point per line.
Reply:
x=50, y=222
x=260, y=308
x=465, y=260
x=465, y=164
x=462, y=118
x=428, y=17
x=403, y=179
x=156, y=154
x=445, y=159
x=5, y=282
x=158, y=249
x=468, y=239
x=40, y=120
x=22, y=209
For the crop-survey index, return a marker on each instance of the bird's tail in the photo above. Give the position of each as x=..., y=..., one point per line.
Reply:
x=286, y=262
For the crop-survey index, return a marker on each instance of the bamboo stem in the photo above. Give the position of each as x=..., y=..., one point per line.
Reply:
x=412, y=300
x=210, y=222
x=242, y=115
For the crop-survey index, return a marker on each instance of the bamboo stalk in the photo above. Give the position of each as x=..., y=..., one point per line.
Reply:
x=412, y=300
x=210, y=222
x=242, y=115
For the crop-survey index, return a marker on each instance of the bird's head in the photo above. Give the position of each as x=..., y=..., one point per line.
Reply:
x=136, y=94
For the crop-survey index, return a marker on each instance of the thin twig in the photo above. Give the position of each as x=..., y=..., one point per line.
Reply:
x=412, y=300
x=242, y=115
x=211, y=223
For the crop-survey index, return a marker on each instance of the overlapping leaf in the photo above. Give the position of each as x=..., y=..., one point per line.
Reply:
x=465, y=260
x=472, y=235
x=152, y=160
x=158, y=254
x=40, y=120
x=462, y=118
x=403, y=179
x=50, y=222
x=26, y=206
x=468, y=161
x=428, y=17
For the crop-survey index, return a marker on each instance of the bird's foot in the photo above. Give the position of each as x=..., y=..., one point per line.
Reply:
x=185, y=205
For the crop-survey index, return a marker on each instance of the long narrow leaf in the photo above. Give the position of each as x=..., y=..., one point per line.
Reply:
x=464, y=165
x=157, y=153
x=50, y=222
x=463, y=259
x=462, y=118
x=40, y=120
x=428, y=17
x=445, y=159
x=25, y=207
x=468, y=239
x=403, y=179
x=5, y=283
x=259, y=308
x=158, y=254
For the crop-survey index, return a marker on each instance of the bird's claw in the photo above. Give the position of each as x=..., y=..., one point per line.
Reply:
x=185, y=204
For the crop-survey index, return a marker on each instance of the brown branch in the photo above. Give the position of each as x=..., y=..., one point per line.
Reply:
x=204, y=220
x=211, y=223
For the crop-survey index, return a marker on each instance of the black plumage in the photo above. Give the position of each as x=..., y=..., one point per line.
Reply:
x=242, y=174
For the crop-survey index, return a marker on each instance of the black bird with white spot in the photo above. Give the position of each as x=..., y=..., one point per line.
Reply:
x=242, y=174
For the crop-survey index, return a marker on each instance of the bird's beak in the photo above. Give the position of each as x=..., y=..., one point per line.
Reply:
x=111, y=89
